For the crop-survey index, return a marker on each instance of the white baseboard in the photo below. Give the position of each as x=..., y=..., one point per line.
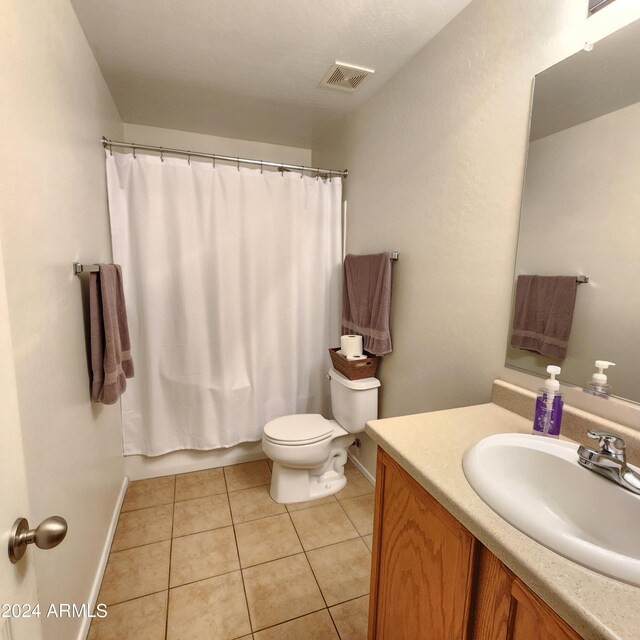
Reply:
x=362, y=468
x=104, y=557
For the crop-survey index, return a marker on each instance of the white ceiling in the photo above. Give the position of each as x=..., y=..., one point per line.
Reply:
x=251, y=68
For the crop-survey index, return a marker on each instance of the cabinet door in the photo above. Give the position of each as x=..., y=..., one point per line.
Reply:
x=506, y=609
x=423, y=563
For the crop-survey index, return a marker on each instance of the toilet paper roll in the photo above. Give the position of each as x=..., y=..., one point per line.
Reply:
x=351, y=346
x=363, y=357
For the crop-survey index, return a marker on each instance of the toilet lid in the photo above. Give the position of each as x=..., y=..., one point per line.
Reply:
x=302, y=428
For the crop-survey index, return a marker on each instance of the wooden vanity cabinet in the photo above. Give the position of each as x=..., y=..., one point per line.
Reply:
x=432, y=580
x=506, y=609
x=423, y=563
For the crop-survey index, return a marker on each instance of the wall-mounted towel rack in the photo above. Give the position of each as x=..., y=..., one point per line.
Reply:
x=582, y=279
x=79, y=268
x=395, y=255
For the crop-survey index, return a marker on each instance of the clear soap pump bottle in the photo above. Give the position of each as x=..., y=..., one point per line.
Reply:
x=598, y=386
x=549, y=406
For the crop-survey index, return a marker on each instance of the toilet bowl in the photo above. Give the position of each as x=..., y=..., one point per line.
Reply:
x=308, y=451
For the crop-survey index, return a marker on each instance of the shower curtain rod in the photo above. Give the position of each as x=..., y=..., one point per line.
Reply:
x=108, y=144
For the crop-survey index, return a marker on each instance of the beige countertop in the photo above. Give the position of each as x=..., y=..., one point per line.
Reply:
x=430, y=446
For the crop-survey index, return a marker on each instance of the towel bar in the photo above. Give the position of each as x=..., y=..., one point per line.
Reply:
x=79, y=268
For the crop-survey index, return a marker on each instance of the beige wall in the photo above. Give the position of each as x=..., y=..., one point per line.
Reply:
x=436, y=161
x=157, y=136
x=54, y=107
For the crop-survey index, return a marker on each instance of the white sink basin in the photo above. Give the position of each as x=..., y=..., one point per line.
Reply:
x=537, y=485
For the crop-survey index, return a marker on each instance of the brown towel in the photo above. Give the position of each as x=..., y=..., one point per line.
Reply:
x=543, y=314
x=111, y=361
x=366, y=300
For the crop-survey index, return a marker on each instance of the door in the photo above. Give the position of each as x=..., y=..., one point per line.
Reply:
x=18, y=591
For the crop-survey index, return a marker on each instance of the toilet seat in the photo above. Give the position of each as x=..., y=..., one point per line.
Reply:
x=299, y=429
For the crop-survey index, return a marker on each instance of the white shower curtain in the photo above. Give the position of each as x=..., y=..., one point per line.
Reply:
x=231, y=281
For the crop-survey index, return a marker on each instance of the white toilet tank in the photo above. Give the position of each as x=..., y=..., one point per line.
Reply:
x=353, y=402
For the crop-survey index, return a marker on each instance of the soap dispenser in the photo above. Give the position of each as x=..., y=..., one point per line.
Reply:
x=549, y=404
x=598, y=386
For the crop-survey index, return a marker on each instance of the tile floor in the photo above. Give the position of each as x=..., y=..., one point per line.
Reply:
x=209, y=555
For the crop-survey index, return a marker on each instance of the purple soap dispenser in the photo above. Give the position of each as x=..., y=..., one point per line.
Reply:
x=549, y=406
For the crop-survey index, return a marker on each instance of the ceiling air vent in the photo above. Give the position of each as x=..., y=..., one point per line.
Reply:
x=345, y=77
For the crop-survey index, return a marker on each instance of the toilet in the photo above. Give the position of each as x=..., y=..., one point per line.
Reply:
x=308, y=451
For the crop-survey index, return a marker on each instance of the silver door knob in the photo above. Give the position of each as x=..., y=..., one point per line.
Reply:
x=48, y=534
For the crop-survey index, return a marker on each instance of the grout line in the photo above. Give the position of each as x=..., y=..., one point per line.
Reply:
x=257, y=486
x=208, y=495
x=151, y=506
x=218, y=575
x=351, y=520
x=140, y=546
x=153, y=593
x=273, y=626
x=306, y=557
x=333, y=622
x=224, y=478
x=173, y=519
x=235, y=537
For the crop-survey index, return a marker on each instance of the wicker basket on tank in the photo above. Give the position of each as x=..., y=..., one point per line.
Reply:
x=354, y=369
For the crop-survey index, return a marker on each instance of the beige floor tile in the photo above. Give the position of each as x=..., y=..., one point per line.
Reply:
x=203, y=555
x=247, y=475
x=281, y=590
x=136, y=572
x=200, y=484
x=360, y=512
x=351, y=618
x=139, y=619
x=342, y=570
x=368, y=540
x=298, y=506
x=315, y=626
x=143, y=526
x=201, y=514
x=357, y=484
x=323, y=525
x=266, y=539
x=251, y=504
x=149, y=493
x=210, y=609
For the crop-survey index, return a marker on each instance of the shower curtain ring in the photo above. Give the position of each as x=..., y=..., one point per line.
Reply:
x=318, y=174
x=189, y=158
x=238, y=163
x=133, y=148
x=302, y=173
x=161, y=155
x=281, y=170
x=261, y=166
x=213, y=159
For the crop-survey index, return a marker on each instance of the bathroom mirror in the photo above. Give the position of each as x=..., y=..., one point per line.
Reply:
x=581, y=207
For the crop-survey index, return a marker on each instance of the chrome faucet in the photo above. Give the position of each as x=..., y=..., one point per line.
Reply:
x=610, y=460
